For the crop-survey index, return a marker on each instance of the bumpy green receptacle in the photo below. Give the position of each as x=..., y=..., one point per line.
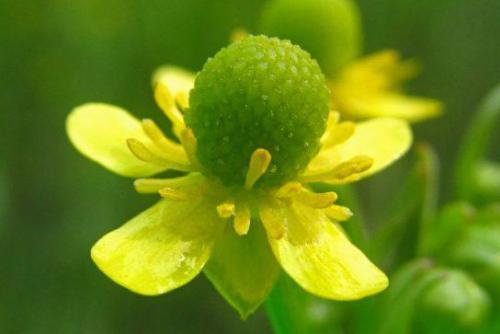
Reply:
x=258, y=93
x=329, y=29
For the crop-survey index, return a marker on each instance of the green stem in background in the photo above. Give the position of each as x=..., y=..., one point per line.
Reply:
x=417, y=198
x=429, y=165
x=475, y=144
x=292, y=310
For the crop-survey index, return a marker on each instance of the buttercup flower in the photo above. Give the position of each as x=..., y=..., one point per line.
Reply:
x=362, y=87
x=254, y=128
x=371, y=87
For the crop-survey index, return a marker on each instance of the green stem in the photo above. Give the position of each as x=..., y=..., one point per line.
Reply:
x=475, y=144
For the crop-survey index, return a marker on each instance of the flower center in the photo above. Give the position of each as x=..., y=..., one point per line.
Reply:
x=258, y=93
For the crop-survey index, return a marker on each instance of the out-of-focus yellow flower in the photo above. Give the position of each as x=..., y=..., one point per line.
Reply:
x=189, y=229
x=371, y=87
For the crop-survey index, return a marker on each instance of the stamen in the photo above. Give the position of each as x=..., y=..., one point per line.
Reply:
x=241, y=223
x=152, y=186
x=158, y=137
x=188, y=140
x=338, y=213
x=347, y=170
x=182, y=101
x=340, y=133
x=354, y=165
x=259, y=163
x=333, y=119
x=226, y=209
x=167, y=104
x=174, y=194
x=238, y=35
x=288, y=190
x=143, y=153
x=273, y=223
x=314, y=200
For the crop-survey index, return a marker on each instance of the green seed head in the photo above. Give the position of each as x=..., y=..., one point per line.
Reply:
x=258, y=93
x=329, y=29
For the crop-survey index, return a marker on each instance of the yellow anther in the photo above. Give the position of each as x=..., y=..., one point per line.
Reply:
x=314, y=200
x=226, y=209
x=346, y=171
x=182, y=101
x=143, y=153
x=188, y=140
x=273, y=223
x=241, y=223
x=170, y=148
x=238, y=34
x=174, y=194
x=354, y=165
x=151, y=186
x=339, y=134
x=167, y=104
x=289, y=189
x=259, y=163
x=338, y=213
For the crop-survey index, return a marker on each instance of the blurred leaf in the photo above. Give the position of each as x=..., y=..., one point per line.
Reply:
x=415, y=203
x=450, y=223
x=292, y=310
x=474, y=146
x=400, y=302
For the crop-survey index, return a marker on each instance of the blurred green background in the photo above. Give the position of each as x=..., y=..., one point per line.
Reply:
x=54, y=204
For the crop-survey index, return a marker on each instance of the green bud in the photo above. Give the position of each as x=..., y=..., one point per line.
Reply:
x=329, y=29
x=258, y=93
x=478, y=249
x=457, y=298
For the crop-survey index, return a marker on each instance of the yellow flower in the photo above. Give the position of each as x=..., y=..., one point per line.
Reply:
x=239, y=236
x=371, y=87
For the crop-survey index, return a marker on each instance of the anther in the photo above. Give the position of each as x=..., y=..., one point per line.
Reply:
x=338, y=213
x=241, y=223
x=355, y=165
x=167, y=104
x=339, y=134
x=182, y=101
x=174, y=194
x=259, y=163
x=346, y=171
x=151, y=186
x=226, y=209
x=157, y=136
x=188, y=141
x=317, y=201
x=288, y=190
x=143, y=153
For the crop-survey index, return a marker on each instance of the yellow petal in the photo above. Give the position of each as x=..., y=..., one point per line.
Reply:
x=100, y=132
x=382, y=139
x=370, y=87
x=320, y=258
x=162, y=248
x=410, y=108
x=242, y=268
x=176, y=79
